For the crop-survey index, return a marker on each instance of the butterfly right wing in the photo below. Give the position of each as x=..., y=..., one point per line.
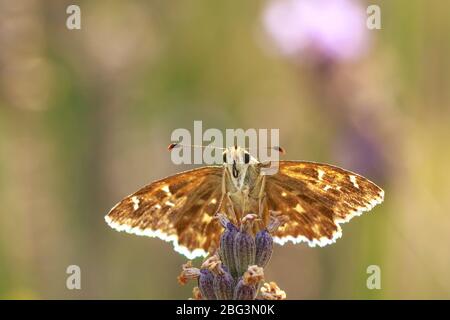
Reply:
x=317, y=198
x=179, y=208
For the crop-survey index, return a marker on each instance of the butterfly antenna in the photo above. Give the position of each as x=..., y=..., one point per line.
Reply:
x=279, y=149
x=179, y=145
x=276, y=148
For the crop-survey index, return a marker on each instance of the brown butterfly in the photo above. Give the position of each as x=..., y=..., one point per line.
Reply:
x=314, y=198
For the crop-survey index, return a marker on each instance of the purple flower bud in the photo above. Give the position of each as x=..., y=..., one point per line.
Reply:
x=244, y=291
x=244, y=251
x=264, y=248
x=223, y=285
x=206, y=284
x=226, y=252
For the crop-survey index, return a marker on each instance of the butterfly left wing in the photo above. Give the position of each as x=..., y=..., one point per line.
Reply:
x=316, y=198
x=179, y=208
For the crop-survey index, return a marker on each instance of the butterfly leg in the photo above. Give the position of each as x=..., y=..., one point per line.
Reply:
x=261, y=196
x=245, y=200
x=263, y=212
x=224, y=191
x=262, y=203
x=231, y=210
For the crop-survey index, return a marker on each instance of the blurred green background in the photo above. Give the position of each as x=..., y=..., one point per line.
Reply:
x=86, y=116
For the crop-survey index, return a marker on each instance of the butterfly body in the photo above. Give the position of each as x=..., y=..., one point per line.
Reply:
x=315, y=199
x=243, y=184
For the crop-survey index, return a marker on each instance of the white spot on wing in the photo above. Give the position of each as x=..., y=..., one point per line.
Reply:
x=353, y=181
x=169, y=203
x=135, y=201
x=166, y=190
x=299, y=208
x=320, y=174
x=327, y=187
x=206, y=218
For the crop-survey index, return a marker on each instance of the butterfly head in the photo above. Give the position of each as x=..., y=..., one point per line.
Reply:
x=236, y=161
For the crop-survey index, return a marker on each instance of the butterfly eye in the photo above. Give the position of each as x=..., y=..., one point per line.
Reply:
x=246, y=158
x=224, y=157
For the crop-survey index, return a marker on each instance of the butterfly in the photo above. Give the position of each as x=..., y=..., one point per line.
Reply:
x=314, y=198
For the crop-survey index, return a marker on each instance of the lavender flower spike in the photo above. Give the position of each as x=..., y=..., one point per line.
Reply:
x=271, y=291
x=226, y=249
x=206, y=284
x=264, y=247
x=223, y=282
x=247, y=287
x=188, y=273
x=244, y=245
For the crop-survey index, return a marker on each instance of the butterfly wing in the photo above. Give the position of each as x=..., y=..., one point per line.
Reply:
x=316, y=198
x=179, y=209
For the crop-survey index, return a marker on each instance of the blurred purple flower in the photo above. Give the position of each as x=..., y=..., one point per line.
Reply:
x=333, y=29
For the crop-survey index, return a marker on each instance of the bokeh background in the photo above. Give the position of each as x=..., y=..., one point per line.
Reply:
x=86, y=116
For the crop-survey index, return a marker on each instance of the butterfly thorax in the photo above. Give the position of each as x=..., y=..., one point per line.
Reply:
x=244, y=186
